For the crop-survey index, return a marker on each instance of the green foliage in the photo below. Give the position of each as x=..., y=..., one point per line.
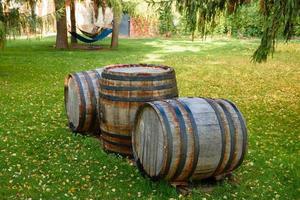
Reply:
x=166, y=25
x=13, y=21
x=285, y=13
x=246, y=21
x=13, y=24
x=129, y=7
x=10, y=24
x=117, y=7
x=2, y=35
x=41, y=159
x=181, y=27
x=201, y=16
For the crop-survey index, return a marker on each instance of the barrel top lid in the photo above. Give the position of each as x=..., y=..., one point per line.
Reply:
x=135, y=69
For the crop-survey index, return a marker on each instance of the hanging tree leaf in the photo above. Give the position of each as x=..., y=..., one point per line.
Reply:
x=277, y=14
x=201, y=14
x=165, y=20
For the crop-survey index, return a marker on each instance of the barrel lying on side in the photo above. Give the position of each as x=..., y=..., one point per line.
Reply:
x=123, y=88
x=189, y=138
x=82, y=101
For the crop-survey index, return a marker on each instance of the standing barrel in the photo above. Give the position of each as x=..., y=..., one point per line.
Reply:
x=123, y=88
x=189, y=138
x=82, y=101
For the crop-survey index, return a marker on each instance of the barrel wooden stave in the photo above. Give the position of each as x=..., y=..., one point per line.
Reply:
x=144, y=85
x=238, y=137
x=123, y=89
x=72, y=101
x=111, y=147
x=142, y=96
x=226, y=142
x=117, y=116
x=82, y=100
x=195, y=139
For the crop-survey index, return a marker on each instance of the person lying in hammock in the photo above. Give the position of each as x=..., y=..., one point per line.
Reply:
x=94, y=32
x=99, y=34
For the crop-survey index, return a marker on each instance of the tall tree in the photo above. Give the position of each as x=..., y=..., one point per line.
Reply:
x=96, y=4
x=118, y=7
x=117, y=12
x=103, y=7
x=73, y=20
x=61, y=25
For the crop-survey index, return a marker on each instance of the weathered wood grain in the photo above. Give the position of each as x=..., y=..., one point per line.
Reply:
x=82, y=101
x=192, y=138
x=123, y=89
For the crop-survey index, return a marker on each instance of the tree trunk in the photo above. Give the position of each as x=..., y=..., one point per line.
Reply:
x=116, y=30
x=61, y=26
x=73, y=21
x=103, y=7
x=96, y=9
x=193, y=36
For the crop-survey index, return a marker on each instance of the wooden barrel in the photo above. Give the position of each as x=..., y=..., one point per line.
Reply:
x=123, y=88
x=189, y=138
x=82, y=101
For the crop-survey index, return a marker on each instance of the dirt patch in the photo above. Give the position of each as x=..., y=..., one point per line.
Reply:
x=90, y=47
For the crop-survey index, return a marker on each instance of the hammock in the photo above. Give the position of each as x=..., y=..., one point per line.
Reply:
x=100, y=36
x=96, y=31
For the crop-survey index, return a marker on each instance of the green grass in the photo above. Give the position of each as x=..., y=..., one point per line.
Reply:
x=40, y=158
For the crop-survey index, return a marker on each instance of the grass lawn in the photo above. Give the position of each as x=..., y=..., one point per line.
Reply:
x=40, y=158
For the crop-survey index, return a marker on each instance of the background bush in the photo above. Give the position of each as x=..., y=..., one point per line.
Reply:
x=247, y=21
